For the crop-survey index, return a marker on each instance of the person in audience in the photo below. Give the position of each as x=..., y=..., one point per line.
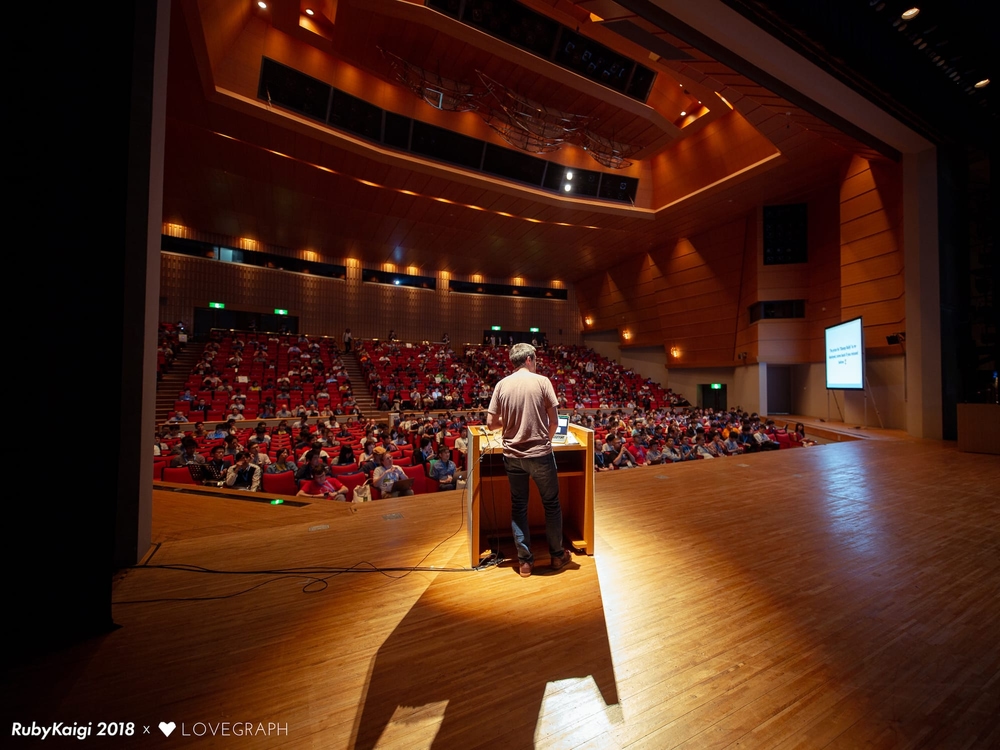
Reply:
x=620, y=456
x=311, y=461
x=462, y=446
x=763, y=440
x=444, y=470
x=386, y=475
x=179, y=416
x=189, y=453
x=600, y=457
x=260, y=435
x=199, y=431
x=346, y=455
x=314, y=446
x=732, y=443
x=304, y=440
x=714, y=448
x=798, y=435
x=281, y=429
x=367, y=458
x=671, y=452
x=322, y=485
x=700, y=450
x=654, y=456
x=243, y=474
x=258, y=455
x=232, y=445
x=172, y=432
x=217, y=459
x=282, y=462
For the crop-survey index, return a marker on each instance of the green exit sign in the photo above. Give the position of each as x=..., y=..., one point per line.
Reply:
x=716, y=386
x=279, y=311
x=494, y=328
x=533, y=330
x=217, y=305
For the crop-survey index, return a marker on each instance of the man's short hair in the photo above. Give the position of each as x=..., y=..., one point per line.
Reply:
x=521, y=353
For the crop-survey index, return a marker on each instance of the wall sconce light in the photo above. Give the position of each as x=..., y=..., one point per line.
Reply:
x=675, y=352
x=588, y=321
x=627, y=335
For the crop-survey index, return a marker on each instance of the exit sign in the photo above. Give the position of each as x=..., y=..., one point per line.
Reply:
x=494, y=328
x=217, y=305
x=716, y=386
x=279, y=311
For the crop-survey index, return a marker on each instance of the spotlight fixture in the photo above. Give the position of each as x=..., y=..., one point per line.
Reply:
x=683, y=114
x=310, y=12
x=675, y=352
x=896, y=338
x=983, y=83
x=262, y=5
x=911, y=13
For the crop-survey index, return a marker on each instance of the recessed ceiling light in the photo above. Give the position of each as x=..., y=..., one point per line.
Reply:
x=983, y=83
x=569, y=175
x=567, y=187
x=261, y=4
x=310, y=12
x=683, y=114
x=911, y=13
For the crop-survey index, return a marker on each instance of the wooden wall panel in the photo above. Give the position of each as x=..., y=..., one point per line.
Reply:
x=722, y=148
x=823, y=300
x=871, y=252
x=699, y=312
x=326, y=306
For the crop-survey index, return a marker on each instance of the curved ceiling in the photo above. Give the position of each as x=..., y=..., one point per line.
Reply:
x=239, y=168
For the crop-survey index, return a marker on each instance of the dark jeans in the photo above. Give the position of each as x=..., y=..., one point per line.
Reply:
x=543, y=471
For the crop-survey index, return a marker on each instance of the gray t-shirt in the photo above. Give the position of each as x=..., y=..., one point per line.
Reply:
x=522, y=401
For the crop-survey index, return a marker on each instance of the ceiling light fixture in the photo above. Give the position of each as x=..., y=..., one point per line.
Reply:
x=262, y=5
x=911, y=13
x=983, y=83
x=683, y=114
x=310, y=12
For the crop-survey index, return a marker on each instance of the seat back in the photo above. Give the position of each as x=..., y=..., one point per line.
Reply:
x=178, y=475
x=282, y=483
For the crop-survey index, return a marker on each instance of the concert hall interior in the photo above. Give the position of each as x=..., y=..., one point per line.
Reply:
x=694, y=191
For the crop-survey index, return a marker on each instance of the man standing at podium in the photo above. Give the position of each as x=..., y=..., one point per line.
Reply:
x=524, y=406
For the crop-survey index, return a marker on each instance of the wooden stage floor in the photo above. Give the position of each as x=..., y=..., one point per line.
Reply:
x=838, y=596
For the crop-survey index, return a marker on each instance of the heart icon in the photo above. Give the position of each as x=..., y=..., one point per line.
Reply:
x=167, y=728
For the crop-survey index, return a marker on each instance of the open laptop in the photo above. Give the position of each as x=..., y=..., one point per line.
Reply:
x=402, y=485
x=562, y=433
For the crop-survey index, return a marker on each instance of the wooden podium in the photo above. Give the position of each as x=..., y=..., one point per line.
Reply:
x=487, y=493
